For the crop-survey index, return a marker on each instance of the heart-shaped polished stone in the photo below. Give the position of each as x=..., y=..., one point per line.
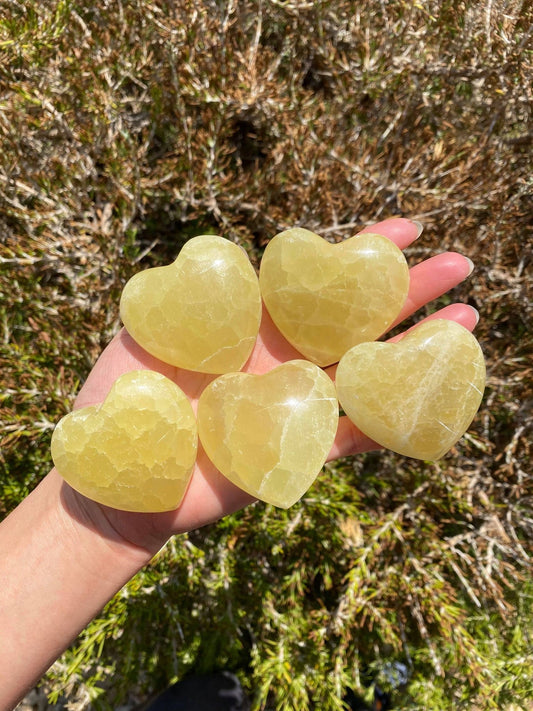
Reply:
x=270, y=434
x=136, y=450
x=202, y=312
x=326, y=298
x=418, y=396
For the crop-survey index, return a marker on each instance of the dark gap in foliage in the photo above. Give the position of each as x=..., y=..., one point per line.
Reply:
x=218, y=691
x=170, y=231
x=318, y=78
x=249, y=141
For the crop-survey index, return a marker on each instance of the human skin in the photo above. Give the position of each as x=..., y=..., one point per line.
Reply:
x=62, y=556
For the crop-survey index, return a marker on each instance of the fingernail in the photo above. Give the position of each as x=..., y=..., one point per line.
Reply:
x=476, y=312
x=470, y=265
x=419, y=228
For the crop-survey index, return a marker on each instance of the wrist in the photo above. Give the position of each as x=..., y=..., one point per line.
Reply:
x=130, y=537
x=61, y=566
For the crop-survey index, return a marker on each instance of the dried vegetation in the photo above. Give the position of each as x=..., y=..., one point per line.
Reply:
x=127, y=127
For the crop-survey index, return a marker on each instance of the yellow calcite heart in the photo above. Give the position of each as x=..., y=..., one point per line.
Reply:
x=270, y=434
x=418, y=396
x=202, y=312
x=326, y=298
x=135, y=451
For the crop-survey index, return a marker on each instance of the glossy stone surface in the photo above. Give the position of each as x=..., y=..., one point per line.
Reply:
x=416, y=397
x=202, y=312
x=134, y=452
x=326, y=298
x=270, y=434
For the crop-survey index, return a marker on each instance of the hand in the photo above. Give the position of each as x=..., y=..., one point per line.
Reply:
x=210, y=495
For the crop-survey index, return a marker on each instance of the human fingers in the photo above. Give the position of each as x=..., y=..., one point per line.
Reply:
x=433, y=278
x=399, y=230
x=463, y=314
x=429, y=279
x=123, y=355
x=120, y=356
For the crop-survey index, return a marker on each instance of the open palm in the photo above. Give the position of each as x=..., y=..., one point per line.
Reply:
x=210, y=495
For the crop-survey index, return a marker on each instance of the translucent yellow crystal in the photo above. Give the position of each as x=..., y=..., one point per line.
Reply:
x=270, y=434
x=418, y=396
x=326, y=298
x=134, y=452
x=200, y=313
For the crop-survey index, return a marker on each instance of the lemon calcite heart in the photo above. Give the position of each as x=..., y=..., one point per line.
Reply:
x=134, y=452
x=202, y=312
x=270, y=434
x=326, y=298
x=418, y=396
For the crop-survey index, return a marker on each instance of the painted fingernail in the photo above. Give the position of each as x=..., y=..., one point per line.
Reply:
x=476, y=313
x=419, y=228
x=470, y=266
